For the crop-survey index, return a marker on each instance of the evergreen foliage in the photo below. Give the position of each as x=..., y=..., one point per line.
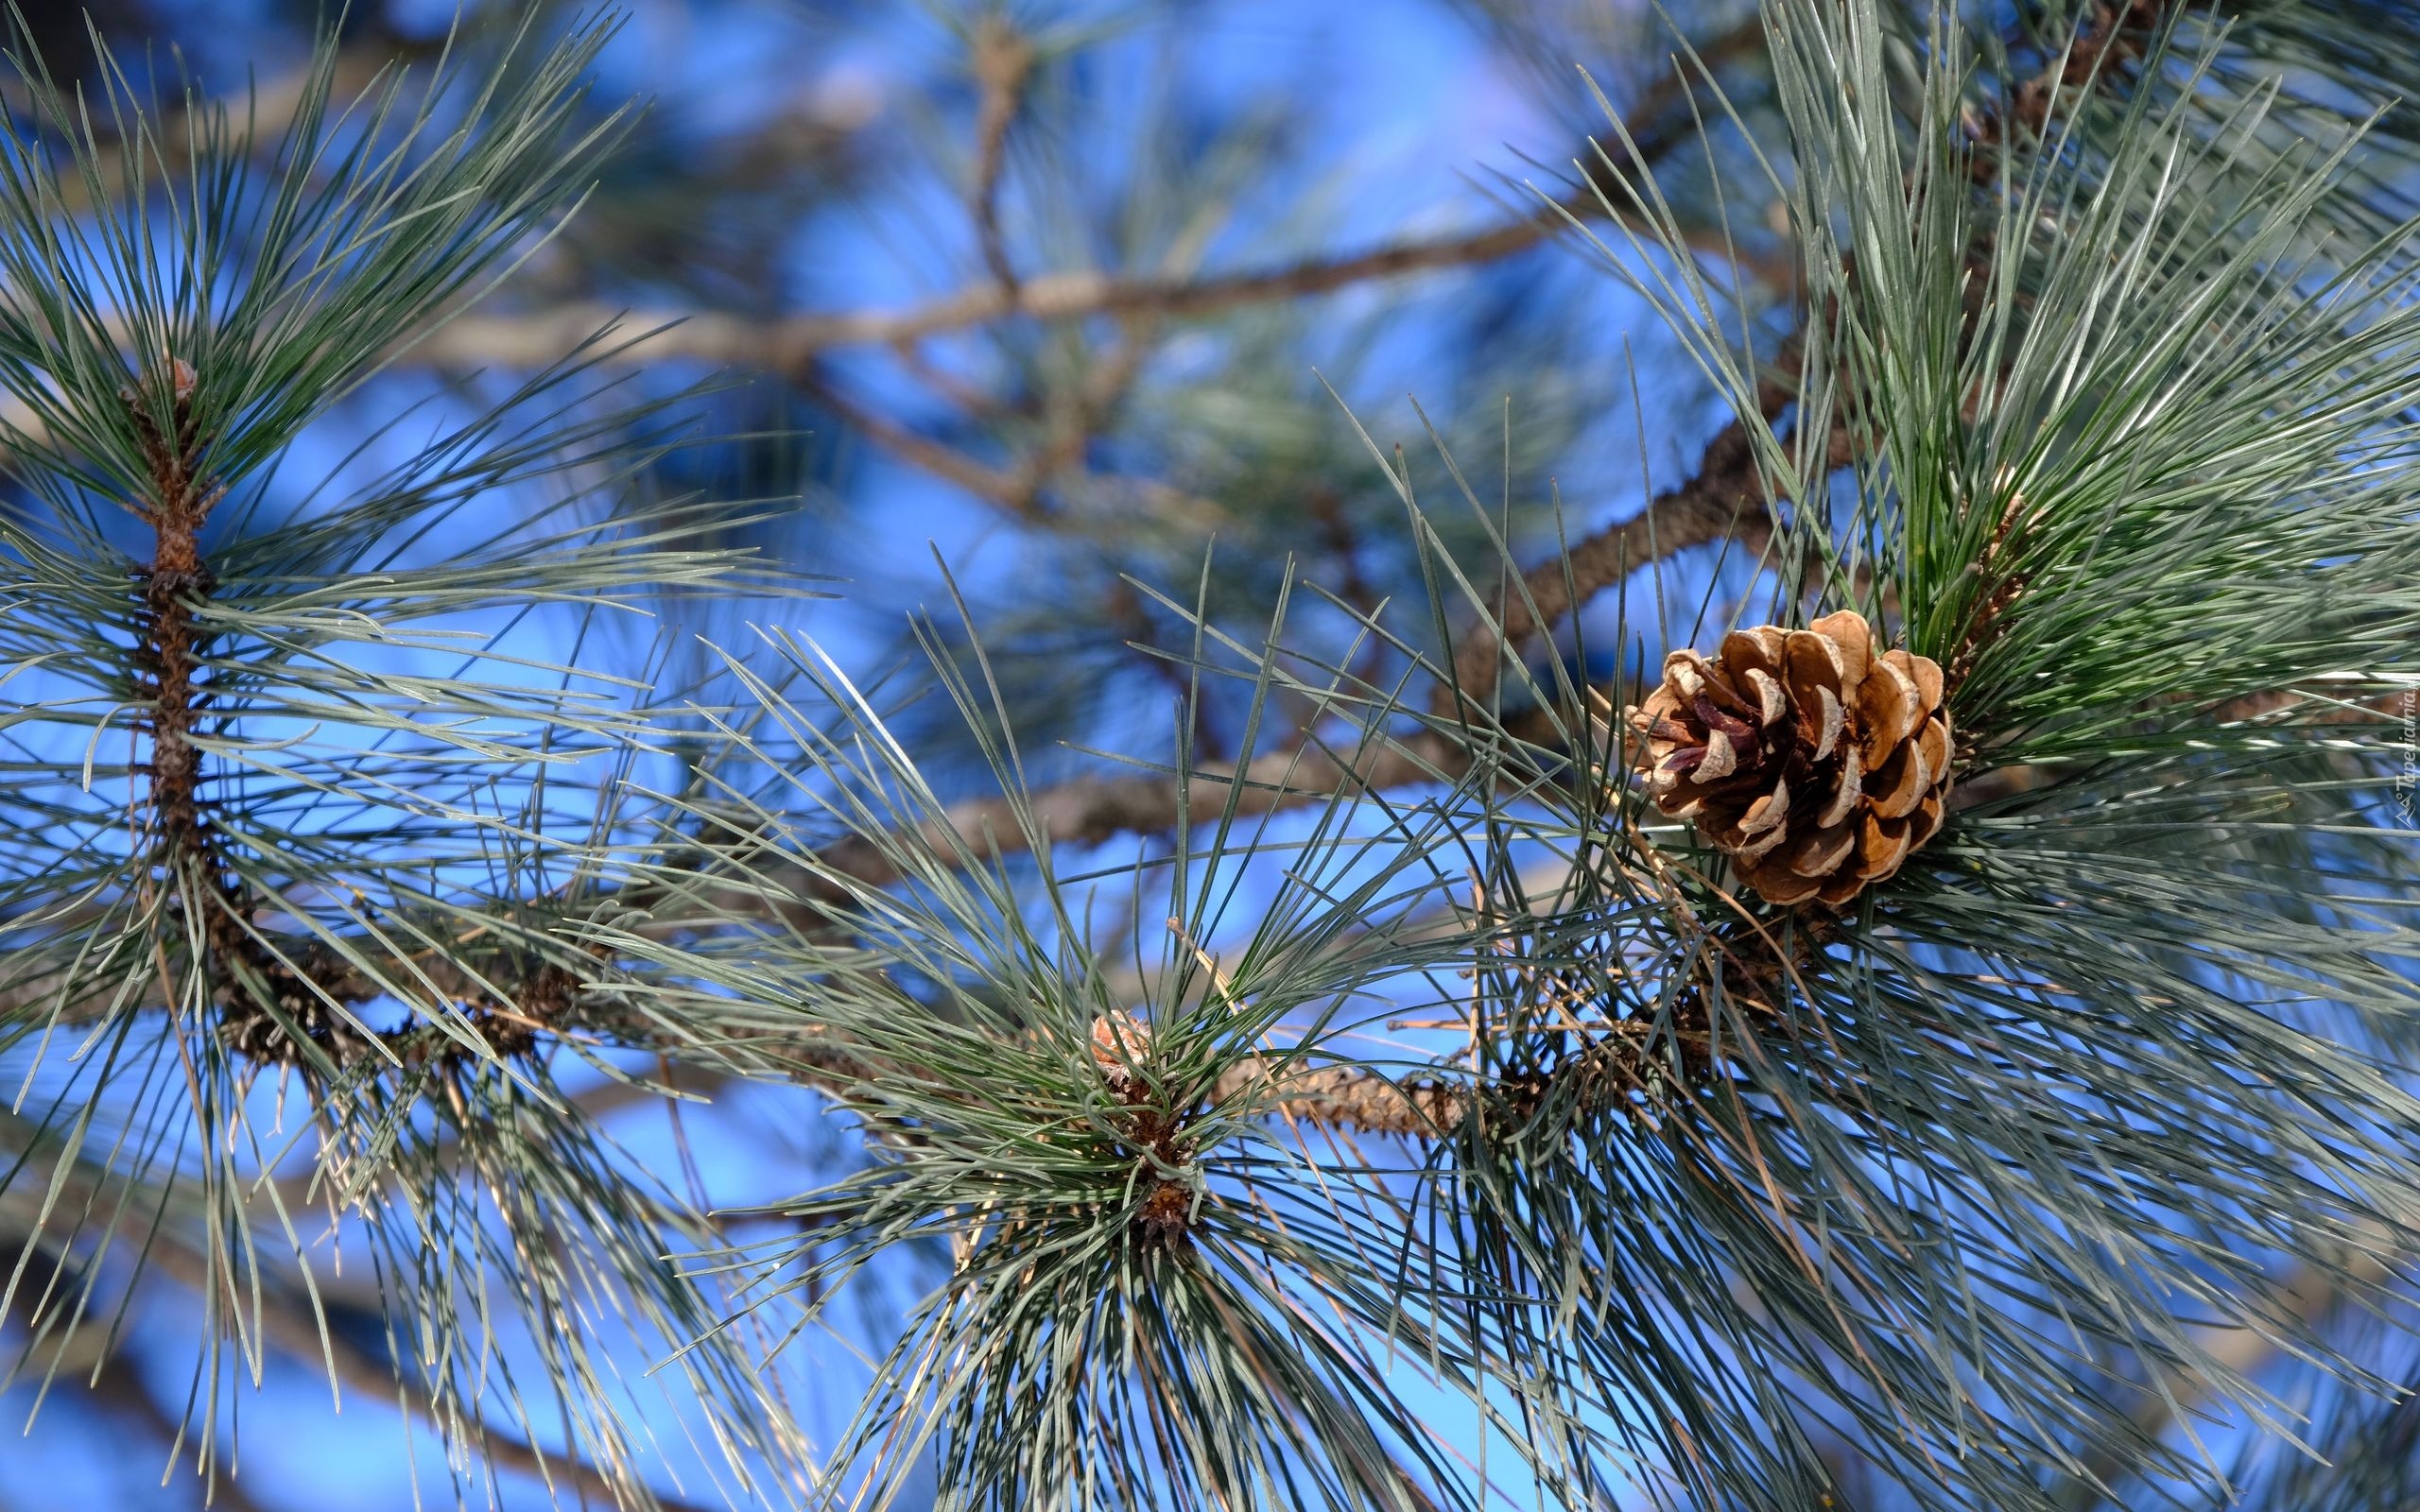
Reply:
x=1366, y=1097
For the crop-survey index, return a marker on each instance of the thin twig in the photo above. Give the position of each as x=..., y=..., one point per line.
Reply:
x=1003, y=62
x=941, y=460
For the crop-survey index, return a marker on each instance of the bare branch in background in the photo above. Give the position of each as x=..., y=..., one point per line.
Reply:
x=2309, y=1295
x=1724, y=501
x=289, y=1329
x=942, y=461
x=789, y=346
x=1003, y=61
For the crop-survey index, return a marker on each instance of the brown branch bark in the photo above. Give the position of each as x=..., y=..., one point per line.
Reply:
x=1357, y=1099
x=1003, y=61
x=1089, y=811
x=1724, y=501
x=186, y=854
x=2118, y=31
x=789, y=346
x=178, y=504
x=948, y=463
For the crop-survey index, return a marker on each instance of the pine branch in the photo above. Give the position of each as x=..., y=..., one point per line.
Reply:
x=1356, y=1099
x=288, y=1323
x=1425, y=1105
x=997, y=484
x=1940, y=1067
x=2309, y=1293
x=1003, y=61
x=1017, y=490
x=789, y=347
x=1725, y=497
x=89, y=1355
x=1725, y=500
x=292, y=1331
x=119, y=1387
x=1080, y=813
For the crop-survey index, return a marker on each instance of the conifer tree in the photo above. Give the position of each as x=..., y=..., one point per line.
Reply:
x=1883, y=978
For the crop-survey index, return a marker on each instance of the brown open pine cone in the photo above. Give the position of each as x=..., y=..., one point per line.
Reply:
x=1814, y=763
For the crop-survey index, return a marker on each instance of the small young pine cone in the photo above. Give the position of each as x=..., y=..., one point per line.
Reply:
x=1119, y=1041
x=181, y=380
x=1816, y=764
x=1165, y=1216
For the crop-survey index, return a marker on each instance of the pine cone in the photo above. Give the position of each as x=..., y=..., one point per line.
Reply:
x=1815, y=764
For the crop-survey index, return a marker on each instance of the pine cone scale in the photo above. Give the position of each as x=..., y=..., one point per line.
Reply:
x=1845, y=794
x=1892, y=707
x=1882, y=845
